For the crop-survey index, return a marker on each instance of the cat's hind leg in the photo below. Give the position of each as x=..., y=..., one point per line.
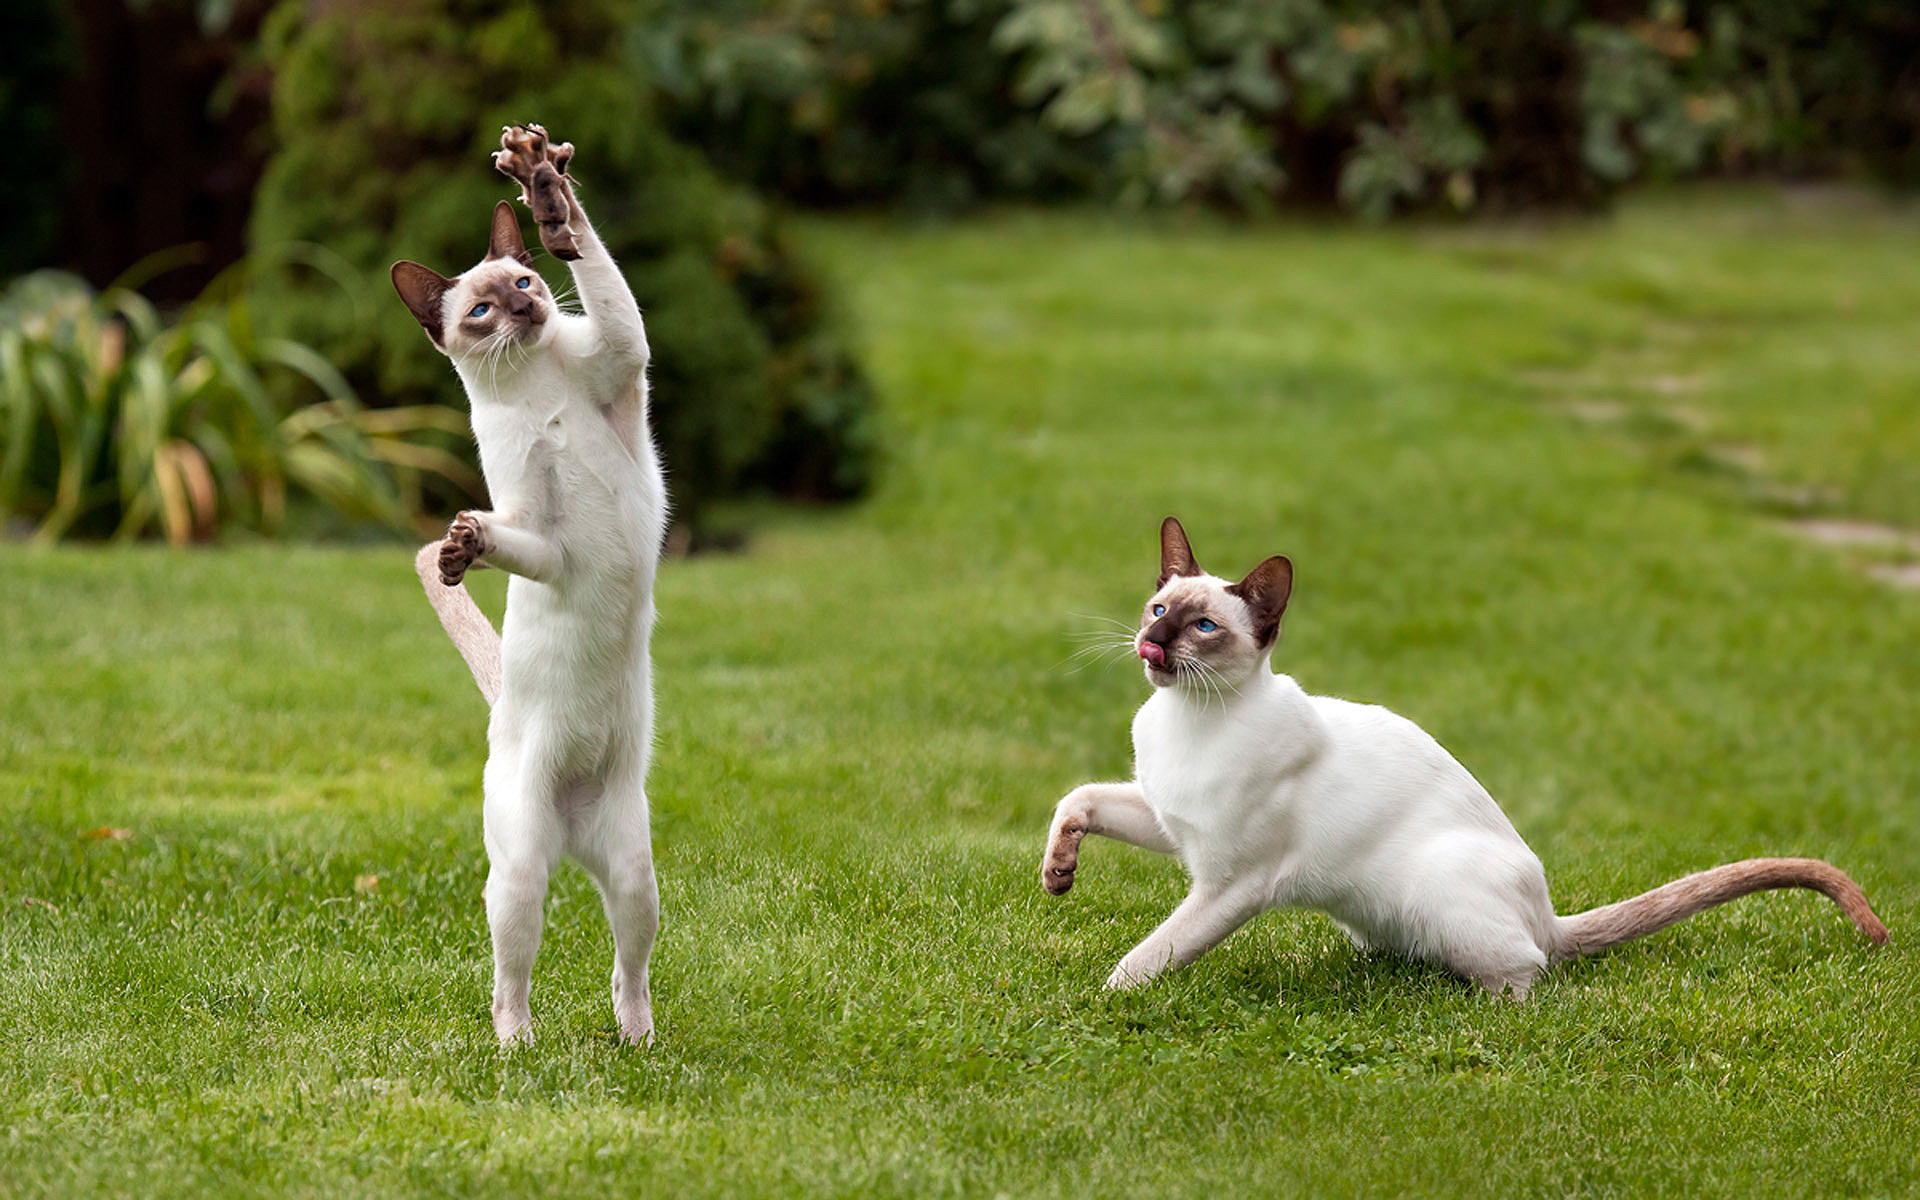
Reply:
x=1115, y=810
x=615, y=847
x=524, y=841
x=1485, y=915
x=1510, y=976
x=1500, y=956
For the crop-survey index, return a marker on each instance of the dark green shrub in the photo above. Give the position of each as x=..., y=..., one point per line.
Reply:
x=858, y=101
x=1375, y=105
x=384, y=127
x=1823, y=85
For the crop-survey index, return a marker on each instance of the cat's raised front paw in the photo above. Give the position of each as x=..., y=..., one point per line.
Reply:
x=466, y=543
x=539, y=166
x=1063, y=855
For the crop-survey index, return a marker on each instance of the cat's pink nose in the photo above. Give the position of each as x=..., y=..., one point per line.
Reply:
x=1154, y=653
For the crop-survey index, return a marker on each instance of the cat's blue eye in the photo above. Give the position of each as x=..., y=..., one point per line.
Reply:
x=1159, y=610
x=479, y=310
x=523, y=281
x=1205, y=626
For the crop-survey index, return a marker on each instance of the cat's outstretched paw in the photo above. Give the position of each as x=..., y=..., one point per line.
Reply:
x=1062, y=858
x=1125, y=978
x=466, y=543
x=540, y=168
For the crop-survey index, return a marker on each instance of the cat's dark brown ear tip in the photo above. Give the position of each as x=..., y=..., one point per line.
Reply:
x=421, y=288
x=1176, y=555
x=504, y=240
x=1266, y=590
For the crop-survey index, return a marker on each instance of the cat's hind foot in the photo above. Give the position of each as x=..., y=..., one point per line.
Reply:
x=513, y=1027
x=539, y=166
x=633, y=1009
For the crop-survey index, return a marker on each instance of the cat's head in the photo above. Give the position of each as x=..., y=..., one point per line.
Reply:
x=502, y=302
x=1198, y=630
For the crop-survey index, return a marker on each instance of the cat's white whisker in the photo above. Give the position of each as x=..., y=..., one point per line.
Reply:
x=1105, y=620
x=1098, y=654
x=1107, y=636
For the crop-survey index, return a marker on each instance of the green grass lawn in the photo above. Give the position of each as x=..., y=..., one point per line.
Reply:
x=1499, y=460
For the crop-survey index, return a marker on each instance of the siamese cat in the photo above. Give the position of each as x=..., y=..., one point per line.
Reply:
x=1271, y=797
x=559, y=409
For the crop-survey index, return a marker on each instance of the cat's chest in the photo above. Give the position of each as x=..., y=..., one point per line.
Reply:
x=1214, y=777
x=535, y=458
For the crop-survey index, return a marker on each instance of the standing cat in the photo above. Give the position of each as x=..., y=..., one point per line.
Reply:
x=1272, y=797
x=559, y=408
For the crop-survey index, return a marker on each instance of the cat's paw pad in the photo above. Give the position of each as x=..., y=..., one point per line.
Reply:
x=539, y=166
x=465, y=544
x=1063, y=858
x=525, y=149
x=1058, y=880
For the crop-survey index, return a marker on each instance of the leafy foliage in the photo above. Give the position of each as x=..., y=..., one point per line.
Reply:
x=852, y=101
x=113, y=420
x=1373, y=105
x=752, y=386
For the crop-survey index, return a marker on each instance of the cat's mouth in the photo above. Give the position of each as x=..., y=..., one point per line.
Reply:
x=1162, y=668
x=530, y=326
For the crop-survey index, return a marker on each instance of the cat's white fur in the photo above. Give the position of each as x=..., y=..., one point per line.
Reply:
x=559, y=409
x=1272, y=797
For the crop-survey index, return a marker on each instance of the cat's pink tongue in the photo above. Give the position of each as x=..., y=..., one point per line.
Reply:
x=1153, y=653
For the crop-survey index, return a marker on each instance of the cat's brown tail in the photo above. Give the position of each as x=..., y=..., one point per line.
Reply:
x=1603, y=928
x=473, y=635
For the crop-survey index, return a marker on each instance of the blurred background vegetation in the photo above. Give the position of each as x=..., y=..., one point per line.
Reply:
x=199, y=335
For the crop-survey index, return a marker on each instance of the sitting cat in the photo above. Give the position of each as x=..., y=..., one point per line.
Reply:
x=1271, y=797
x=559, y=408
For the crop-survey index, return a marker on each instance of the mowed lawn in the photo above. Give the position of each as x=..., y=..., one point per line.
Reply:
x=1532, y=480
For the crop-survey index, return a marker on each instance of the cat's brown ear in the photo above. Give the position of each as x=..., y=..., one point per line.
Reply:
x=422, y=288
x=1176, y=557
x=505, y=241
x=1265, y=591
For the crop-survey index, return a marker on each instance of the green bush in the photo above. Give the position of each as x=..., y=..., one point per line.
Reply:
x=1377, y=106
x=384, y=127
x=115, y=421
x=857, y=101
x=1383, y=106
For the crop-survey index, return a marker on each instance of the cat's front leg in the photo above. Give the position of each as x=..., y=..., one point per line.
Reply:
x=539, y=165
x=489, y=539
x=540, y=168
x=463, y=547
x=1117, y=810
x=1202, y=921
